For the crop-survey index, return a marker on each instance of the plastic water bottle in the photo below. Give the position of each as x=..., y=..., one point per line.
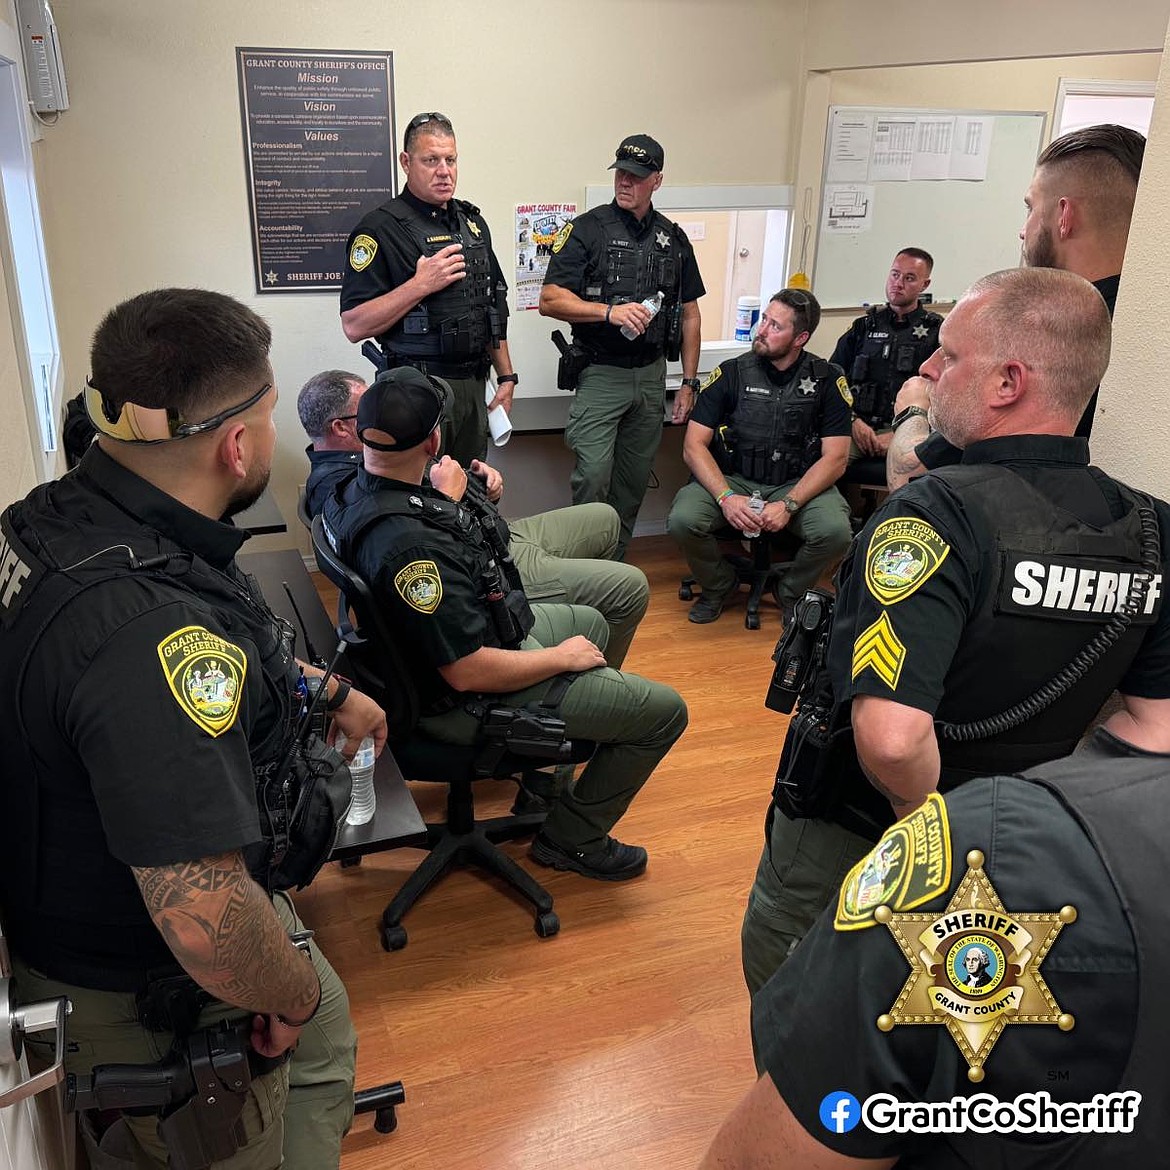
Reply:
x=361, y=769
x=651, y=305
x=756, y=503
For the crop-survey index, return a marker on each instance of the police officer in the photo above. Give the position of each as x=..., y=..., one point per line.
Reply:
x=986, y=612
x=773, y=421
x=148, y=708
x=883, y=348
x=462, y=615
x=1085, y=833
x=562, y=555
x=422, y=278
x=604, y=265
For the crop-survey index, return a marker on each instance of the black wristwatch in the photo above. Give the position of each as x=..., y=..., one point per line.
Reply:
x=693, y=383
x=339, y=695
x=513, y=378
x=903, y=415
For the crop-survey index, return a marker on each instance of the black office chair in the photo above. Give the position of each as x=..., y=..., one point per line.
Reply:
x=381, y=670
x=863, y=484
x=759, y=570
x=303, y=508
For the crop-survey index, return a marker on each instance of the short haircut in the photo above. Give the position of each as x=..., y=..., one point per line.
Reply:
x=1055, y=322
x=1100, y=164
x=918, y=254
x=186, y=349
x=323, y=398
x=806, y=309
x=432, y=123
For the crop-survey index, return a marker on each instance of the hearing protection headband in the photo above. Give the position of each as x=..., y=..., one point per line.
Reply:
x=132, y=423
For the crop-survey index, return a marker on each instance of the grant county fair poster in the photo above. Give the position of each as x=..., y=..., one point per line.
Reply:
x=319, y=150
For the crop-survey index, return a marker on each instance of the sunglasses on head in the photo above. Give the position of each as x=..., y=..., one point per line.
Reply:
x=132, y=423
x=421, y=120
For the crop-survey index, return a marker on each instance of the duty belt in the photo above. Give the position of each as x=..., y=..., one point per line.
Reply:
x=625, y=361
x=441, y=369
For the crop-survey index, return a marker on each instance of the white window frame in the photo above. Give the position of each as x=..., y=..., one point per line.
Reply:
x=1095, y=87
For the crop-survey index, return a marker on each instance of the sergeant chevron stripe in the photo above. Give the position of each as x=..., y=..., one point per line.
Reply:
x=879, y=648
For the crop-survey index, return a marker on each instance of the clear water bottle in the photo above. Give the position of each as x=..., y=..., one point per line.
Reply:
x=756, y=503
x=361, y=769
x=652, y=306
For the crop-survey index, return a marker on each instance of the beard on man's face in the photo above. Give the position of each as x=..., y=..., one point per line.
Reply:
x=249, y=491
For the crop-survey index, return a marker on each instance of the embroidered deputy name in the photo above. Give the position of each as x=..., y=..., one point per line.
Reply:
x=1077, y=590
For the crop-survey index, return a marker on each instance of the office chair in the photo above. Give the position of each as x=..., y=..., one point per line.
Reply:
x=863, y=484
x=758, y=570
x=381, y=670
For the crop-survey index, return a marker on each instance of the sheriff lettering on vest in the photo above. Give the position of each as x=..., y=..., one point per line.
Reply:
x=986, y=611
x=421, y=278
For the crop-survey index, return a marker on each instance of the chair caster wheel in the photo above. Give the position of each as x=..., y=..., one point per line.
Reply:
x=752, y=621
x=686, y=593
x=547, y=924
x=393, y=938
x=350, y=862
x=386, y=1120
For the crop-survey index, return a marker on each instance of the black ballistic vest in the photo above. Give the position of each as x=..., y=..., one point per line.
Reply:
x=887, y=357
x=772, y=436
x=458, y=322
x=633, y=270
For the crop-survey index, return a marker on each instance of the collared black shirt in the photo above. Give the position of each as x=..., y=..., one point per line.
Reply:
x=328, y=469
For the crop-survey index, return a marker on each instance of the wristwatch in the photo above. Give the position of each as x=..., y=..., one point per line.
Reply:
x=513, y=378
x=791, y=504
x=903, y=415
x=693, y=383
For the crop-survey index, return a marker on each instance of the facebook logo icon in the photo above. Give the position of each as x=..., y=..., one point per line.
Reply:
x=840, y=1112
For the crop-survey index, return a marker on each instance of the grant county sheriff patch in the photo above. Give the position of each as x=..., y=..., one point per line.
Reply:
x=843, y=388
x=206, y=676
x=420, y=585
x=975, y=967
x=362, y=251
x=903, y=553
x=562, y=236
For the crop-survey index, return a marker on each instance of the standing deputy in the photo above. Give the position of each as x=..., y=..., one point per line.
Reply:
x=422, y=278
x=604, y=264
x=463, y=617
x=148, y=704
x=1079, y=841
x=979, y=623
x=562, y=555
x=883, y=348
x=773, y=421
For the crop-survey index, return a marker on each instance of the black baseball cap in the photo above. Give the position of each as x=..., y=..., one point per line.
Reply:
x=640, y=155
x=404, y=404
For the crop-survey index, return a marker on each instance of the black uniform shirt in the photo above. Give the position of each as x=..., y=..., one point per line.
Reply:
x=815, y=1026
x=395, y=260
x=580, y=260
x=328, y=469
x=930, y=620
x=850, y=342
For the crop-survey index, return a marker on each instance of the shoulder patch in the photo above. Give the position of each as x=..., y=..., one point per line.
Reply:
x=565, y=232
x=362, y=251
x=903, y=554
x=420, y=585
x=206, y=676
x=711, y=378
x=910, y=865
x=880, y=649
x=843, y=388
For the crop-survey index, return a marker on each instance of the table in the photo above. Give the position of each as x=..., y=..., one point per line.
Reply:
x=263, y=518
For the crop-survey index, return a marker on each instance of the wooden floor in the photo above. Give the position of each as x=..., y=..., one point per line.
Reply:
x=623, y=1041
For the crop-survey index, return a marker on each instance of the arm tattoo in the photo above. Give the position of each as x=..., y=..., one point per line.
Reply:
x=897, y=802
x=901, y=461
x=222, y=927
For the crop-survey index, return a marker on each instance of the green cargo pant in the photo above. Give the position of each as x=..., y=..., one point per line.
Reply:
x=821, y=526
x=634, y=722
x=465, y=428
x=565, y=556
x=299, y=1112
x=614, y=428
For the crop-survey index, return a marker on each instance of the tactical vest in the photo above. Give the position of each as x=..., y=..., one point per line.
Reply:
x=351, y=512
x=632, y=271
x=772, y=436
x=71, y=909
x=458, y=322
x=887, y=357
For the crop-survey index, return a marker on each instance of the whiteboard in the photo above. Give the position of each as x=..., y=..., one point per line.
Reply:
x=949, y=181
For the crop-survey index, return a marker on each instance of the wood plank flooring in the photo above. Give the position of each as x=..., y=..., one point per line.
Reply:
x=623, y=1041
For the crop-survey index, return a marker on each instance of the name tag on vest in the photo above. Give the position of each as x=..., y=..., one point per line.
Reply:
x=1079, y=589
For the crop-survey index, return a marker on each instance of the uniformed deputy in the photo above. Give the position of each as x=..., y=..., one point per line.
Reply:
x=604, y=265
x=983, y=613
x=563, y=555
x=1077, y=951
x=148, y=705
x=884, y=347
x=774, y=421
x=463, y=617
x=422, y=278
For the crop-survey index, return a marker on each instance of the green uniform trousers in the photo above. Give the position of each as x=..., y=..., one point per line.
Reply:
x=465, y=427
x=299, y=1113
x=633, y=721
x=801, y=870
x=564, y=555
x=821, y=526
x=614, y=428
